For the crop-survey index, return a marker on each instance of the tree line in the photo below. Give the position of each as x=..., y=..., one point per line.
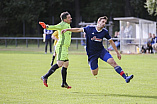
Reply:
x=21, y=17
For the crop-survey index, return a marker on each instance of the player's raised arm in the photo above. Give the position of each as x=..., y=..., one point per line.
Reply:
x=73, y=30
x=50, y=27
x=54, y=27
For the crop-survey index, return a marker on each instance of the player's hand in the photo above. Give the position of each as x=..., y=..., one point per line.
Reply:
x=43, y=24
x=119, y=56
x=63, y=31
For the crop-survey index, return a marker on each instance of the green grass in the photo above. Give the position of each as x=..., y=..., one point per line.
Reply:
x=21, y=69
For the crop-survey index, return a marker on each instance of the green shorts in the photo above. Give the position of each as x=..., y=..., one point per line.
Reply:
x=62, y=53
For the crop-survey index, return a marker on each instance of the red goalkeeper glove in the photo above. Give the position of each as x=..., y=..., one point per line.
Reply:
x=43, y=24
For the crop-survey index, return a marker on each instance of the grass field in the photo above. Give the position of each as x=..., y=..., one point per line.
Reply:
x=21, y=69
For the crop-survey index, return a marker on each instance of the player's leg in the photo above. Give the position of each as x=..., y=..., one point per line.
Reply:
x=64, y=71
x=55, y=66
x=64, y=74
x=105, y=56
x=117, y=68
x=51, y=71
x=53, y=57
x=93, y=63
x=46, y=43
x=64, y=57
x=50, y=44
x=95, y=71
x=109, y=59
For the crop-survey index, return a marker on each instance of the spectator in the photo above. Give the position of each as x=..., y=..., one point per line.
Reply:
x=149, y=37
x=117, y=42
x=155, y=47
x=128, y=30
x=149, y=48
x=143, y=50
x=153, y=39
x=154, y=43
x=48, y=34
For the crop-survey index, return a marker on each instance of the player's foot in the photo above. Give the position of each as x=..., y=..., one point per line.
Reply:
x=44, y=81
x=65, y=85
x=43, y=24
x=128, y=78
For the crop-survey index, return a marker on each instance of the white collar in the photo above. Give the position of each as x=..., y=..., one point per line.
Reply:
x=97, y=30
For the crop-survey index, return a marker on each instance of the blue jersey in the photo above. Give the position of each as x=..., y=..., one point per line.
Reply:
x=94, y=39
x=48, y=33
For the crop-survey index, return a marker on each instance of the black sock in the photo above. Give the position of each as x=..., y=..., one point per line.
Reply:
x=52, y=70
x=52, y=60
x=64, y=74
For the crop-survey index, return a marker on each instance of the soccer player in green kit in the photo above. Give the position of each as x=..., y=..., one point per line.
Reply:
x=61, y=48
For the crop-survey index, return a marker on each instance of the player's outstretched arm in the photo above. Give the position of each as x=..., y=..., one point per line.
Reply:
x=73, y=30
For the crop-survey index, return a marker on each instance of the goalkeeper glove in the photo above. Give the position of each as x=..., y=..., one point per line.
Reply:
x=43, y=24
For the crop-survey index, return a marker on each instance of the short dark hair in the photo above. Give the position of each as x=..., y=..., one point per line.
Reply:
x=104, y=17
x=64, y=15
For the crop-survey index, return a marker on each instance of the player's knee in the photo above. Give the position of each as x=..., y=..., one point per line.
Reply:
x=60, y=64
x=112, y=63
x=95, y=74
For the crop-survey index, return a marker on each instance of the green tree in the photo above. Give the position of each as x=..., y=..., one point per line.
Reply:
x=92, y=9
x=137, y=6
x=21, y=13
x=151, y=6
x=17, y=15
x=27, y=10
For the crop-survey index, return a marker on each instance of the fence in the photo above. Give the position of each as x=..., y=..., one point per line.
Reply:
x=5, y=40
x=15, y=40
x=20, y=38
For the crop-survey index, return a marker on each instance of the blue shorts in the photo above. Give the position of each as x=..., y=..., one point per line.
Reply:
x=93, y=59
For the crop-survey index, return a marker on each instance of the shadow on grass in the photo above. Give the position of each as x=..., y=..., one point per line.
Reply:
x=115, y=95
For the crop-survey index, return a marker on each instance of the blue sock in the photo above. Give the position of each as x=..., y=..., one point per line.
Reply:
x=119, y=70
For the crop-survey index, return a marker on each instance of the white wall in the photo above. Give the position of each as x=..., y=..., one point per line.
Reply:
x=146, y=29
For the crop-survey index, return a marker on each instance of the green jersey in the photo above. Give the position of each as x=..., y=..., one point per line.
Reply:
x=65, y=38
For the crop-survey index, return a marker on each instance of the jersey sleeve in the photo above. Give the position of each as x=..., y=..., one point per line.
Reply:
x=55, y=27
x=107, y=36
x=85, y=29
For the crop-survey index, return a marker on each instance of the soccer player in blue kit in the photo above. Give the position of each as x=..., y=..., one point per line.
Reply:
x=95, y=48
